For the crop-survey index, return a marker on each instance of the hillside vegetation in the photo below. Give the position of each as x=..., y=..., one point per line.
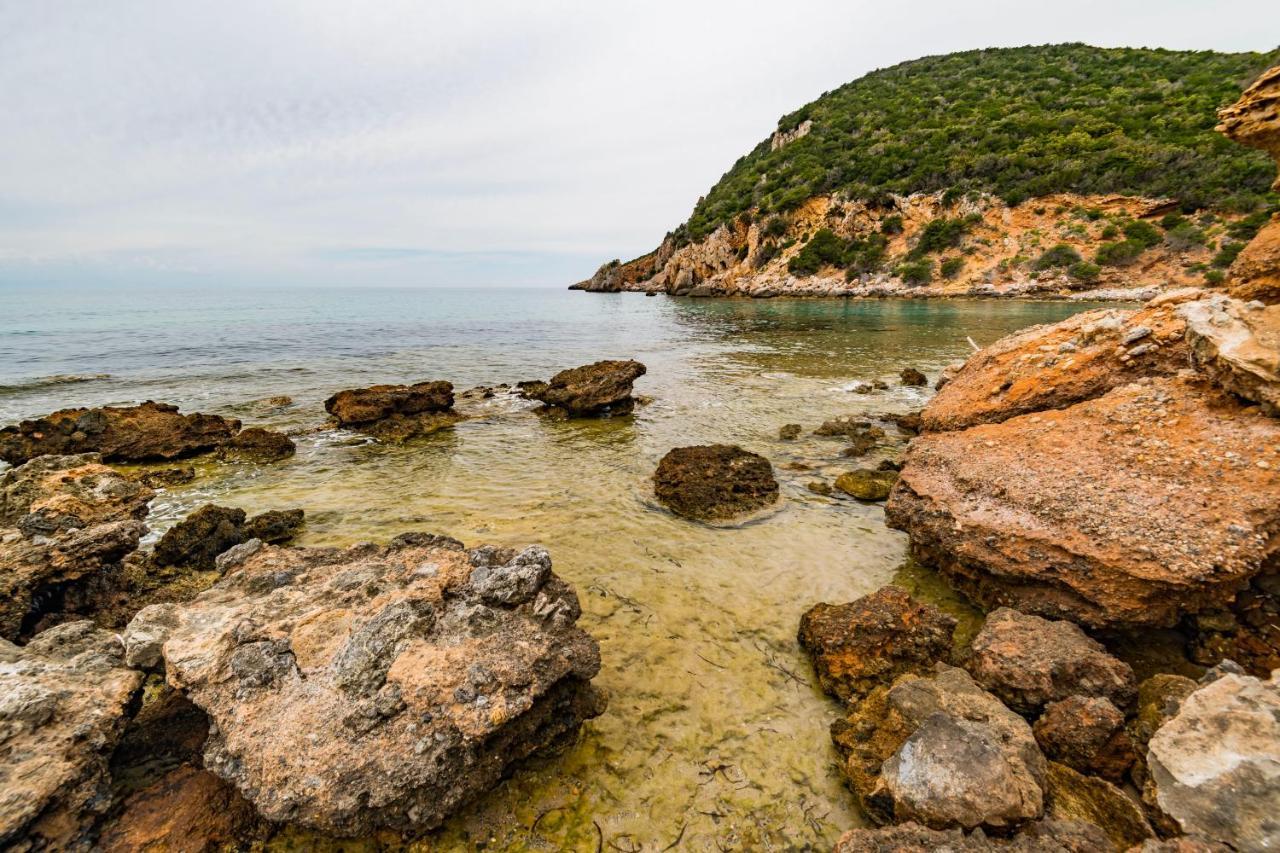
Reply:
x=1017, y=123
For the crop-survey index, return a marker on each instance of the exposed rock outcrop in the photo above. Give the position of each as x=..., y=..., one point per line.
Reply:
x=1254, y=120
x=395, y=412
x=63, y=700
x=600, y=389
x=375, y=687
x=1074, y=796
x=1237, y=345
x=716, y=481
x=858, y=646
x=256, y=444
x=197, y=540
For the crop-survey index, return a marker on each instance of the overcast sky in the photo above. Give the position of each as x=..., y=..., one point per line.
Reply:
x=429, y=143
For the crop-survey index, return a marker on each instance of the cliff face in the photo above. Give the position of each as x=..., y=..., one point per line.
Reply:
x=1254, y=120
x=998, y=253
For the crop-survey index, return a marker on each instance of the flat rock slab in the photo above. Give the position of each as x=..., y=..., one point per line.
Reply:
x=358, y=407
x=375, y=687
x=1157, y=499
x=601, y=388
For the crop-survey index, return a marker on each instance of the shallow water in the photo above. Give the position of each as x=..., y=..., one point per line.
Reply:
x=715, y=737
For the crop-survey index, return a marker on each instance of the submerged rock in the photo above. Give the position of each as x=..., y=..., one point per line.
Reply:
x=789, y=432
x=395, y=412
x=599, y=389
x=868, y=642
x=913, y=378
x=716, y=481
x=376, y=687
x=867, y=484
x=63, y=700
x=1238, y=347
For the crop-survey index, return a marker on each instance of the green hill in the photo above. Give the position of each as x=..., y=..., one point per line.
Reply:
x=1017, y=122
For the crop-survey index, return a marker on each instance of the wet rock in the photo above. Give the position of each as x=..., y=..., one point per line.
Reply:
x=187, y=809
x=1046, y=836
x=889, y=465
x=377, y=687
x=943, y=752
x=867, y=484
x=908, y=423
x=1028, y=662
x=1238, y=347
x=148, y=432
x=1215, y=767
x=599, y=389
x=274, y=526
x=256, y=444
x=395, y=412
x=789, y=432
x=1159, y=698
x=708, y=482
x=198, y=539
x=158, y=478
x=913, y=378
x=871, y=641
x=819, y=487
x=1073, y=796
x=63, y=700
x=1086, y=734
x=849, y=426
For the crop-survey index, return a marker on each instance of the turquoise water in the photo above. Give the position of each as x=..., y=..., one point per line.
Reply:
x=715, y=734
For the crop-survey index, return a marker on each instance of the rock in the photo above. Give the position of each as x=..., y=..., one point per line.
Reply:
x=708, y=482
x=63, y=701
x=377, y=687
x=871, y=641
x=197, y=540
x=1047, y=836
x=867, y=484
x=943, y=752
x=1215, y=766
x=1086, y=734
x=850, y=426
x=599, y=389
x=1029, y=371
x=914, y=378
x=789, y=432
x=859, y=446
x=151, y=431
x=1238, y=347
x=1183, y=844
x=908, y=423
x=889, y=465
x=1248, y=634
x=256, y=444
x=65, y=522
x=1073, y=796
x=1159, y=698
x=818, y=487
x=187, y=809
x=395, y=412
x=274, y=526
x=1255, y=273
x=157, y=478
x=1149, y=503
x=1253, y=120
x=1028, y=662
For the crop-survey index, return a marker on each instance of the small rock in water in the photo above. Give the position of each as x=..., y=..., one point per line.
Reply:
x=866, y=484
x=914, y=378
x=789, y=432
x=717, y=481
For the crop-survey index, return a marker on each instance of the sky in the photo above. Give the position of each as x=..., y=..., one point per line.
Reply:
x=319, y=142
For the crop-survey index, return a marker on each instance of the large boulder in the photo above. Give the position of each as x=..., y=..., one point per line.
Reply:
x=602, y=388
x=1029, y=662
x=63, y=705
x=1215, y=766
x=716, y=481
x=858, y=646
x=1254, y=120
x=1238, y=346
x=197, y=540
x=148, y=432
x=943, y=752
x=395, y=412
x=375, y=687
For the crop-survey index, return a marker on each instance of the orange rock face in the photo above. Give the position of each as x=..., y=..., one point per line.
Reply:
x=188, y=809
x=1254, y=120
x=1255, y=274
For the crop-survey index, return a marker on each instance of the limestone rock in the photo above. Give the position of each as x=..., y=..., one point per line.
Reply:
x=867, y=484
x=256, y=444
x=858, y=646
x=943, y=752
x=200, y=537
x=1216, y=765
x=1255, y=273
x=1047, y=836
x=1254, y=120
x=1238, y=346
x=63, y=700
x=395, y=412
x=376, y=687
x=1073, y=796
x=1028, y=662
x=716, y=481
x=1086, y=734
x=150, y=431
x=789, y=432
x=599, y=389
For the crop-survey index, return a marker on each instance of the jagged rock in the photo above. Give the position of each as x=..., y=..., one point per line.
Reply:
x=1058, y=365
x=187, y=809
x=1073, y=796
x=197, y=540
x=256, y=444
x=867, y=484
x=150, y=431
x=1248, y=634
x=1086, y=734
x=395, y=412
x=1028, y=662
x=1153, y=501
x=943, y=752
x=1255, y=273
x=858, y=646
x=1183, y=844
x=599, y=389
x=715, y=481
x=908, y=423
x=157, y=478
x=274, y=526
x=849, y=426
x=64, y=521
x=1046, y=836
x=1254, y=120
x=376, y=687
x=789, y=432
x=63, y=700
x=1238, y=346
x=913, y=378
x=1159, y=698
x=1215, y=767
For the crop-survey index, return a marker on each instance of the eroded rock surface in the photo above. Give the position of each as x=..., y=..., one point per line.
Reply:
x=601, y=388
x=375, y=687
x=256, y=444
x=867, y=484
x=716, y=481
x=1254, y=120
x=395, y=412
x=197, y=540
x=1086, y=734
x=63, y=700
x=188, y=809
x=1074, y=796
x=1046, y=836
x=1237, y=345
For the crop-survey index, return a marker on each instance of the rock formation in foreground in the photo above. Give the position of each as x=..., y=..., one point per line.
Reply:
x=144, y=433
x=375, y=687
x=600, y=389
x=395, y=412
x=714, y=482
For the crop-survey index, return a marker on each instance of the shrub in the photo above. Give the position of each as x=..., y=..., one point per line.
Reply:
x=1084, y=271
x=891, y=225
x=1119, y=254
x=951, y=267
x=1226, y=255
x=951, y=196
x=825, y=249
x=865, y=256
x=919, y=271
x=1171, y=221
x=1143, y=233
x=1247, y=228
x=1110, y=232
x=775, y=227
x=938, y=234
x=1215, y=276
x=1184, y=236
x=1060, y=255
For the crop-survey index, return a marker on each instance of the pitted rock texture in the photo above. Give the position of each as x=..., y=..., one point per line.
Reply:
x=943, y=752
x=64, y=520
x=395, y=412
x=147, y=432
x=1047, y=836
x=867, y=484
x=256, y=444
x=1215, y=766
x=1254, y=120
x=1086, y=734
x=1238, y=346
x=376, y=687
x=1028, y=662
x=602, y=388
x=63, y=701
x=197, y=540
x=1075, y=796
x=858, y=646
x=715, y=481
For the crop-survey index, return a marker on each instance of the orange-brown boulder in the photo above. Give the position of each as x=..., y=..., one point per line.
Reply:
x=187, y=809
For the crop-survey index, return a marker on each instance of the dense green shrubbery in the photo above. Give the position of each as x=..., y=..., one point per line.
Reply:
x=1085, y=272
x=1119, y=254
x=942, y=233
x=1226, y=254
x=950, y=268
x=1017, y=122
x=891, y=224
x=826, y=249
x=916, y=272
x=1060, y=255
